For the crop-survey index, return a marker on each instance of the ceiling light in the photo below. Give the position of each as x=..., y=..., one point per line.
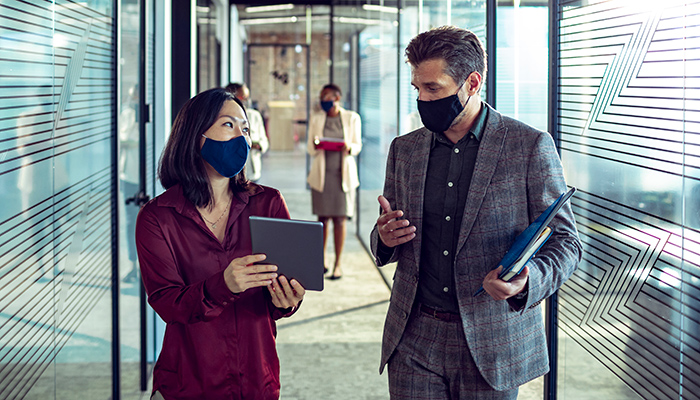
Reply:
x=276, y=7
x=280, y=20
x=358, y=21
x=372, y=7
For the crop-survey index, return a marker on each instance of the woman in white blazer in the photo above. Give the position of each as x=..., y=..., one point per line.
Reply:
x=333, y=142
x=258, y=137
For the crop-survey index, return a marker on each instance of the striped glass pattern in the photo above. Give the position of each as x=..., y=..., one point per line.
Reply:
x=56, y=129
x=629, y=123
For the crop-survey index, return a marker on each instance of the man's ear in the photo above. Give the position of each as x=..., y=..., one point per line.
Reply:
x=474, y=83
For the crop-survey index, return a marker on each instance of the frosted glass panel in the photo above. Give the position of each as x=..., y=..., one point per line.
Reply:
x=629, y=144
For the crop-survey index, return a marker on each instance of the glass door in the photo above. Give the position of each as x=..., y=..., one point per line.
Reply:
x=136, y=182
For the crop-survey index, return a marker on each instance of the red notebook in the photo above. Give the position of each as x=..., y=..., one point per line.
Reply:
x=329, y=144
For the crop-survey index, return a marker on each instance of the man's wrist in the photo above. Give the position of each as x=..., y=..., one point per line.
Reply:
x=384, y=252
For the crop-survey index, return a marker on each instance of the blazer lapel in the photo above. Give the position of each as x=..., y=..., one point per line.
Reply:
x=486, y=161
x=419, y=155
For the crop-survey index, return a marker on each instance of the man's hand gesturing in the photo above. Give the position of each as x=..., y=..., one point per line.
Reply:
x=392, y=230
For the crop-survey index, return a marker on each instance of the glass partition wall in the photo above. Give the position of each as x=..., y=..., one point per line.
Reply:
x=137, y=183
x=628, y=121
x=57, y=190
x=129, y=185
x=378, y=64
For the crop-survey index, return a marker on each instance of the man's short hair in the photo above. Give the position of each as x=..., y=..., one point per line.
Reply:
x=234, y=87
x=461, y=49
x=333, y=87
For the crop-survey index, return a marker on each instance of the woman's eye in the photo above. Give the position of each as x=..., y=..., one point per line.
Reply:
x=229, y=124
x=245, y=130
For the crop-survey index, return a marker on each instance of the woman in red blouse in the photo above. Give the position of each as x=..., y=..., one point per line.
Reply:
x=194, y=250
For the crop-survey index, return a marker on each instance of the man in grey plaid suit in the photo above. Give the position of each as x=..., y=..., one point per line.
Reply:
x=457, y=193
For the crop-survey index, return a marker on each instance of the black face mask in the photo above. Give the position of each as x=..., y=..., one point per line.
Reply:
x=438, y=115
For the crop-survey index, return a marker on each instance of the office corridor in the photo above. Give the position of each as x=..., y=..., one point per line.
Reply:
x=330, y=348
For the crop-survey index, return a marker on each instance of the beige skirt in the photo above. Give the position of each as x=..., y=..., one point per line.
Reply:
x=333, y=201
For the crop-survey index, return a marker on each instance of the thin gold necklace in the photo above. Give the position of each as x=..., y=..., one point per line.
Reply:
x=213, y=224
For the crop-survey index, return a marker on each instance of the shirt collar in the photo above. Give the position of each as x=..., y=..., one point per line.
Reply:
x=479, y=124
x=174, y=198
x=477, y=128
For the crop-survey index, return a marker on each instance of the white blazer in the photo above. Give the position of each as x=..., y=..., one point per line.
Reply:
x=253, y=166
x=352, y=133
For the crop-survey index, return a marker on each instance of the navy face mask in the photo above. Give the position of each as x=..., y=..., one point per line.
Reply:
x=438, y=115
x=226, y=157
x=326, y=105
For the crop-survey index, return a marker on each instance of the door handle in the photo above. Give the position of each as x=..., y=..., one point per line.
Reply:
x=139, y=199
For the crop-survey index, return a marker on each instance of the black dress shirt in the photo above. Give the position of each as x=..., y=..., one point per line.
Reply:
x=447, y=181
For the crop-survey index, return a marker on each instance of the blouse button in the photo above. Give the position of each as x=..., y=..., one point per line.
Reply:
x=225, y=303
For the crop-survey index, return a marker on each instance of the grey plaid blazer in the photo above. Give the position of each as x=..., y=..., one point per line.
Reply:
x=517, y=174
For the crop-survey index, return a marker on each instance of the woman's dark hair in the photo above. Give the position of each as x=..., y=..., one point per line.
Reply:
x=234, y=87
x=181, y=161
x=461, y=49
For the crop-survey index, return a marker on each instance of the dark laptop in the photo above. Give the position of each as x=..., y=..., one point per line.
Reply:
x=295, y=246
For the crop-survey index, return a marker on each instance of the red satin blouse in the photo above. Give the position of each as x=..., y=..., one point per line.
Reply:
x=217, y=345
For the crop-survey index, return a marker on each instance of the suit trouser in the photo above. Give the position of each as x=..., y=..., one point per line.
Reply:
x=432, y=361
